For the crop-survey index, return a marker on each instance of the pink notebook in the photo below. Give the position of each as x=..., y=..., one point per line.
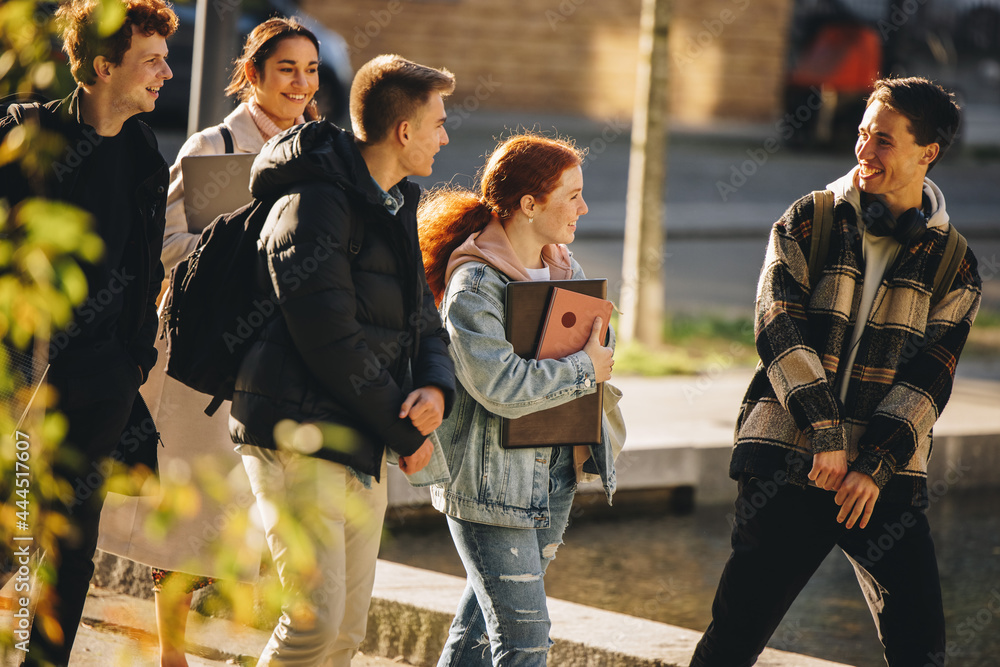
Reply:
x=569, y=321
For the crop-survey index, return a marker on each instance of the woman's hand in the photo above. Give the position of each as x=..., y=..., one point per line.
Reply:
x=602, y=357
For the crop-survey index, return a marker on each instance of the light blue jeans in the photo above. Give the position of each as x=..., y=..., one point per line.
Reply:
x=502, y=618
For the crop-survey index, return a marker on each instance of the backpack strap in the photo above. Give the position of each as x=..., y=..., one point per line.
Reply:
x=24, y=112
x=227, y=137
x=822, y=227
x=214, y=406
x=954, y=253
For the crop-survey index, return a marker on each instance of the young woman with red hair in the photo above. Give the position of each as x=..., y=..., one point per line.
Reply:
x=507, y=508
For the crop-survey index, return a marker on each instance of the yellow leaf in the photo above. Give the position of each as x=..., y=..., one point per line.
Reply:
x=112, y=15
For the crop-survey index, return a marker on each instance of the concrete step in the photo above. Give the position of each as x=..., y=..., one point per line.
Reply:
x=413, y=608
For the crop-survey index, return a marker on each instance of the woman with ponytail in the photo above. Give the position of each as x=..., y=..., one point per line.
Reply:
x=507, y=508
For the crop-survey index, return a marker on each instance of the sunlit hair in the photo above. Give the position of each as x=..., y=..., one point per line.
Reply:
x=79, y=21
x=933, y=114
x=261, y=44
x=525, y=164
x=389, y=89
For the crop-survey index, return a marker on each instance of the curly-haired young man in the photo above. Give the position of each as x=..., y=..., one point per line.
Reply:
x=110, y=167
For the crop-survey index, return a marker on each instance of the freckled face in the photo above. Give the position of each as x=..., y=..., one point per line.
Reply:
x=555, y=220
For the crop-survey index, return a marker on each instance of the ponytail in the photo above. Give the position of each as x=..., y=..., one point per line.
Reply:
x=445, y=219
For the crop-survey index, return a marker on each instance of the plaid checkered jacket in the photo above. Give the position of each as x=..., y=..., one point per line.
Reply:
x=904, y=369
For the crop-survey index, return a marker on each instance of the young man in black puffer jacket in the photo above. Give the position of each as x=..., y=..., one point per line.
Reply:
x=324, y=389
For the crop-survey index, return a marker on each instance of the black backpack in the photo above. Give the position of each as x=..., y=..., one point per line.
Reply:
x=213, y=312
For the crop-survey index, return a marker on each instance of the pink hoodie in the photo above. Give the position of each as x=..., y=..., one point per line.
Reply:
x=492, y=247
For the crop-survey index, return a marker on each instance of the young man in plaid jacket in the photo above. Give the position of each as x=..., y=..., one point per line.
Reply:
x=834, y=435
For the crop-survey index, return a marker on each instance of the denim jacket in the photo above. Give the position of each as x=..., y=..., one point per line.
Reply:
x=489, y=484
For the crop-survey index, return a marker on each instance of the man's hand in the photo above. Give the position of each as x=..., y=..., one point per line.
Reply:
x=416, y=461
x=829, y=469
x=425, y=408
x=856, y=497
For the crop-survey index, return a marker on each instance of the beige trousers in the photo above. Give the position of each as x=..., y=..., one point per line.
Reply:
x=323, y=528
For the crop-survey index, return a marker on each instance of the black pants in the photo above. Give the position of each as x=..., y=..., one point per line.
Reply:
x=781, y=535
x=97, y=406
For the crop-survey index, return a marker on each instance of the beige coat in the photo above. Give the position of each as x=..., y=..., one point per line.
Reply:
x=202, y=477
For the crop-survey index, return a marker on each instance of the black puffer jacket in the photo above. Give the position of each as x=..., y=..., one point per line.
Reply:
x=354, y=329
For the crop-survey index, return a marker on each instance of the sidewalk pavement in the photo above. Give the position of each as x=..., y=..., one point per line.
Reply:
x=119, y=630
x=411, y=611
x=680, y=435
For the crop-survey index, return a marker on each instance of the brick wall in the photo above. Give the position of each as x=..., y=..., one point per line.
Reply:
x=578, y=56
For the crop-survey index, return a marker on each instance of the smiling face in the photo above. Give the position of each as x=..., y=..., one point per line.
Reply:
x=287, y=81
x=892, y=164
x=425, y=135
x=555, y=220
x=134, y=84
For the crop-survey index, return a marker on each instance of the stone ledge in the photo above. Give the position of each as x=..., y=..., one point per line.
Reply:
x=412, y=609
x=409, y=618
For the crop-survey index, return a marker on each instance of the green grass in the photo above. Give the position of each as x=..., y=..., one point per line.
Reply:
x=694, y=345
x=984, y=338
x=691, y=345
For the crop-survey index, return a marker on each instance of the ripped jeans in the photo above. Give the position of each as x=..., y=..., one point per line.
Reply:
x=502, y=617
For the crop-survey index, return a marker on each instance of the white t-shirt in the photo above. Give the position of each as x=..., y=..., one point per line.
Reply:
x=879, y=253
x=539, y=274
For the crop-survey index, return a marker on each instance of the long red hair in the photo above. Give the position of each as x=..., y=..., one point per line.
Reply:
x=524, y=164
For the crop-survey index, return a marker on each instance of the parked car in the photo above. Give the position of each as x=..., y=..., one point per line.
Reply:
x=335, y=73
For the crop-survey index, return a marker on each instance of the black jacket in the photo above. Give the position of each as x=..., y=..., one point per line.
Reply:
x=138, y=323
x=355, y=331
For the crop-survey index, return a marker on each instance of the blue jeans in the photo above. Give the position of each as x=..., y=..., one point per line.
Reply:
x=502, y=617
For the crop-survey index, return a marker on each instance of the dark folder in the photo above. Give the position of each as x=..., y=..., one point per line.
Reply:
x=575, y=423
